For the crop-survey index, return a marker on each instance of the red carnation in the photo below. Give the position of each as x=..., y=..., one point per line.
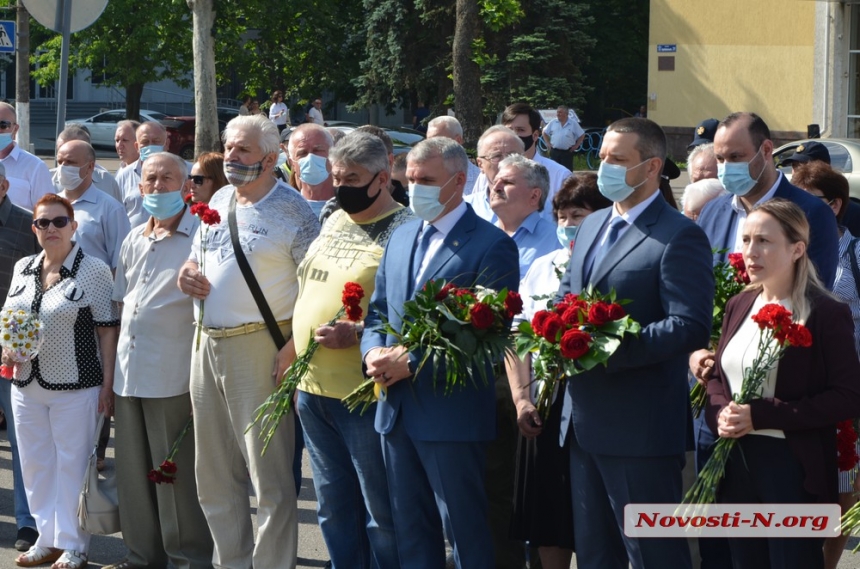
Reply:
x=168, y=467
x=513, y=304
x=799, y=336
x=616, y=312
x=773, y=316
x=598, y=313
x=211, y=217
x=444, y=292
x=574, y=343
x=482, y=316
x=198, y=208
x=353, y=312
x=352, y=294
x=551, y=327
x=538, y=321
x=736, y=260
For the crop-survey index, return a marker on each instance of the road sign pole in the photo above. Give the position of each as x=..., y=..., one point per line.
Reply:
x=64, y=11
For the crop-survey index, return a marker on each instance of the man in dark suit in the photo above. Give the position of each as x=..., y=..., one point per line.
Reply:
x=742, y=142
x=631, y=421
x=434, y=444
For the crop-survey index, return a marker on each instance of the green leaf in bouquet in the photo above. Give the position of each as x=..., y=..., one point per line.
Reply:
x=450, y=327
x=446, y=312
x=466, y=341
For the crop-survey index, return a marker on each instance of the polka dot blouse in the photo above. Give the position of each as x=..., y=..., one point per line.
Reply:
x=70, y=311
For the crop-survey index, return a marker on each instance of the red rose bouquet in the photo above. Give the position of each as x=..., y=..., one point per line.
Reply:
x=209, y=217
x=778, y=333
x=846, y=446
x=166, y=471
x=463, y=329
x=278, y=404
x=730, y=278
x=572, y=336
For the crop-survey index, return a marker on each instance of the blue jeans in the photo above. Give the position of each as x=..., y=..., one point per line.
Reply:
x=353, y=505
x=22, y=509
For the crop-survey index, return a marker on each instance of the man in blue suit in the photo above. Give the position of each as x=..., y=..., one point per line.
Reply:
x=631, y=421
x=434, y=444
x=746, y=169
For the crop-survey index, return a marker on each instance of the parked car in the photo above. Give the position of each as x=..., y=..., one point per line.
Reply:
x=844, y=154
x=180, y=132
x=102, y=126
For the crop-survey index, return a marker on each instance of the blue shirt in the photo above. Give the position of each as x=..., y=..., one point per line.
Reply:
x=102, y=225
x=535, y=237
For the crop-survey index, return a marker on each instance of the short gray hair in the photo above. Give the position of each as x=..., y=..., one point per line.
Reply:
x=75, y=132
x=449, y=124
x=452, y=154
x=308, y=128
x=536, y=175
x=499, y=129
x=702, y=149
x=128, y=122
x=267, y=133
x=179, y=162
x=697, y=194
x=361, y=149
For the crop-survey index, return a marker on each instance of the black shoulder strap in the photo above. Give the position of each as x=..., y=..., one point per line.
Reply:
x=855, y=270
x=251, y=280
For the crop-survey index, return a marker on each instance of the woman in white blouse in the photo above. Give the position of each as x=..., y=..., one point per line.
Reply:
x=58, y=394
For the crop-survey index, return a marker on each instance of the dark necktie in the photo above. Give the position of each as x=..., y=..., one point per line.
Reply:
x=615, y=227
x=421, y=251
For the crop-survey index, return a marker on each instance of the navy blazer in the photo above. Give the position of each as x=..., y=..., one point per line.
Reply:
x=718, y=217
x=816, y=387
x=474, y=252
x=639, y=405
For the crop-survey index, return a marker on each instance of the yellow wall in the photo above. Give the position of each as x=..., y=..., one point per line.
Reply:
x=733, y=55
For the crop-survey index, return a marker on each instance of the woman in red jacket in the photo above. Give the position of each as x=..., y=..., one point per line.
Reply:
x=787, y=438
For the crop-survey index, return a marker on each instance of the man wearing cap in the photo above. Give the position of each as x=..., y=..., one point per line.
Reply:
x=811, y=151
x=703, y=133
x=563, y=136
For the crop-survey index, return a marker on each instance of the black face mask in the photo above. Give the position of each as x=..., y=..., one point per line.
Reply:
x=527, y=141
x=399, y=193
x=355, y=199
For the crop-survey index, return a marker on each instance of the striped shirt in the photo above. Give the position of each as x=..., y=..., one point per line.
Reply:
x=845, y=286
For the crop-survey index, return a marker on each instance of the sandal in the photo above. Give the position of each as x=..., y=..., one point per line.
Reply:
x=37, y=555
x=71, y=559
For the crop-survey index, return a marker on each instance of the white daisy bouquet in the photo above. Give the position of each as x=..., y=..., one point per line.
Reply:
x=20, y=337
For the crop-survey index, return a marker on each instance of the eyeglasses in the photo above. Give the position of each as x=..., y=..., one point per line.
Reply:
x=5, y=125
x=198, y=180
x=495, y=158
x=59, y=222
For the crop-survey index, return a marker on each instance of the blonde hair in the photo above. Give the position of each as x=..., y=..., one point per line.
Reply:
x=795, y=227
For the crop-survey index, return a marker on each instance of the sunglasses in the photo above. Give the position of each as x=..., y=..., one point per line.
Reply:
x=198, y=180
x=4, y=125
x=59, y=222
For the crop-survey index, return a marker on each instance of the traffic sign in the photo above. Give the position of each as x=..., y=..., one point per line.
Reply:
x=7, y=36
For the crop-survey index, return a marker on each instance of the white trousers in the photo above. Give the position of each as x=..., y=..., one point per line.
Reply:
x=55, y=438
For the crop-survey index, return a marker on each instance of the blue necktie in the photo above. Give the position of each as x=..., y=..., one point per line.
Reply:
x=615, y=227
x=421, y=251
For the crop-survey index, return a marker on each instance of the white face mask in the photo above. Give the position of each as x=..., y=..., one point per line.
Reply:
x=424, y=200
x=68, y=177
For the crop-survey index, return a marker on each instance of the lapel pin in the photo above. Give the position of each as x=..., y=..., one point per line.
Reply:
x=455, y=243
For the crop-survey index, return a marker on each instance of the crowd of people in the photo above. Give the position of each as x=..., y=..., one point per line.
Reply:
x=153, y=314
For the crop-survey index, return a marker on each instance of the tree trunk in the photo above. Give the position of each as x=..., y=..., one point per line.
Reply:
x=207, y=132
x=467, y=74
x=133, y=93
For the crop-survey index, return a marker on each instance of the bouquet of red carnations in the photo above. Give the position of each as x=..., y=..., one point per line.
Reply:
x=778, y=333
x=572, y=336
x=463, y=329
x=730, y=278
x=278, y=404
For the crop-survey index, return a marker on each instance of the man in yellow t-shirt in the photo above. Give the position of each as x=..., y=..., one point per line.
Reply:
x=345, y=451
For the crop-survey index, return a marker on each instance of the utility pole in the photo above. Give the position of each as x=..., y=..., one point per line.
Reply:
x=22, y=76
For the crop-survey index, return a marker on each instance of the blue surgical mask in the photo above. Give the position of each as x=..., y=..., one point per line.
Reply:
x=735, y=176
x=148, y=151
x=5, y=140
x=424, y=200
x=612, y=181
x=163, y=206
x=566, y=234
x=312, y=169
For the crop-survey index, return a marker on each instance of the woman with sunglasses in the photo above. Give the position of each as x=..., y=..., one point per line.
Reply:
x=207, y=177
x=58, y=395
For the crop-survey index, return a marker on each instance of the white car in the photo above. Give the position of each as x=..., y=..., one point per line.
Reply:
x=844, y=158
x=102, y=127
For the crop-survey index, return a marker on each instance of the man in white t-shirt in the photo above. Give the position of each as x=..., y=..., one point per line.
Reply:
x=27, y=175
x=315, y=115
x=563, y=136
x=238, y=360
x=525, y=122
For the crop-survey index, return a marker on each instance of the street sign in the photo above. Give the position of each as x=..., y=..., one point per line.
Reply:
x=667, y=48
x=7, y=36
x=49, y=13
